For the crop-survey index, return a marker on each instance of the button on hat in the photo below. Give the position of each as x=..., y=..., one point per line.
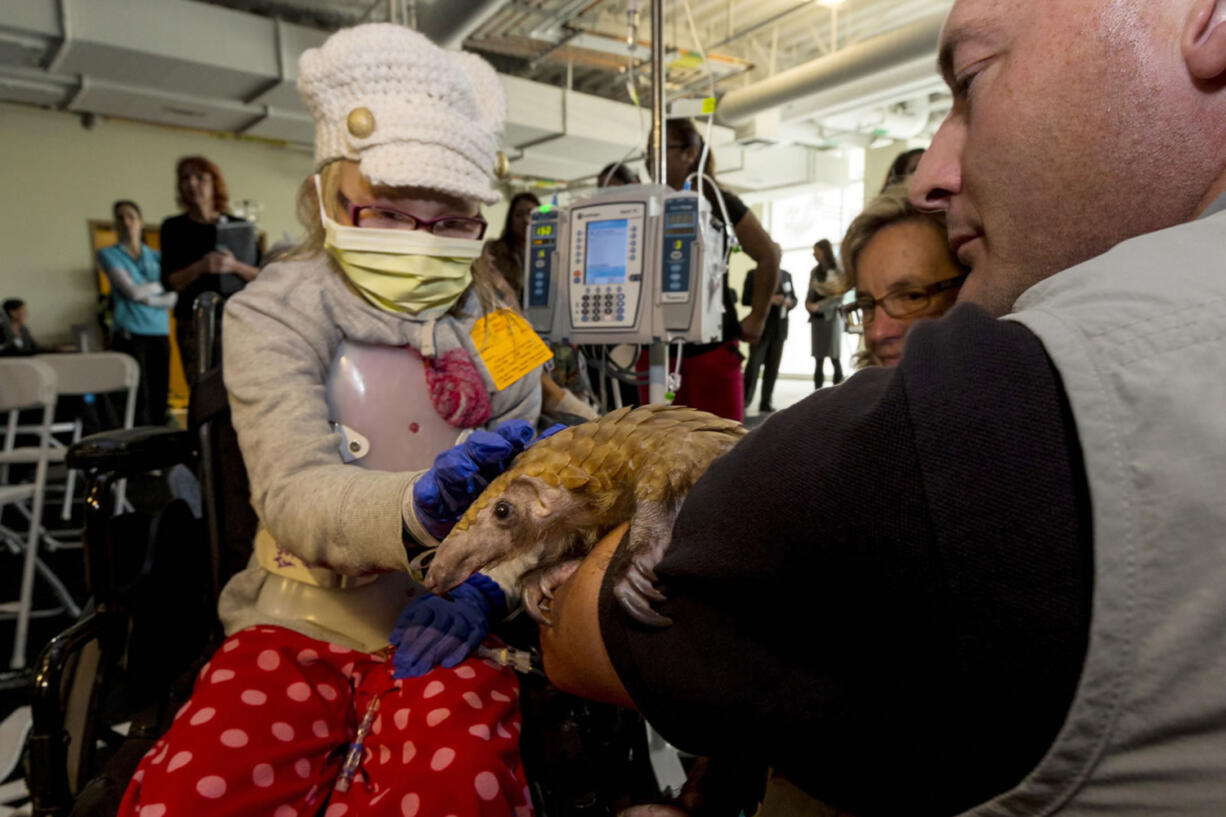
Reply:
x=361, y=122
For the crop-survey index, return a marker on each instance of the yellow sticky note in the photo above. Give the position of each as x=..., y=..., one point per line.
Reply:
x=508, y=346
x=708, y=105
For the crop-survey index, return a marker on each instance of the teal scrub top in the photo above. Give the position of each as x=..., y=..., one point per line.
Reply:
x=132, y=316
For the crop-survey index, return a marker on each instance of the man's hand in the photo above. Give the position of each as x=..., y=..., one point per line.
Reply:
x=751, y=327
x=778, y=300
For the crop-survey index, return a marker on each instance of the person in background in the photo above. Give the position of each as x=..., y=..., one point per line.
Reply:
x=898, y=260
x=825, y=325
x=617, y=174
x=15, y=339
x=192, y=260
x=768, y=351
x=903, y=167
x=711, y=372
x=506, y=252
x=502, y=260
x=142, y=322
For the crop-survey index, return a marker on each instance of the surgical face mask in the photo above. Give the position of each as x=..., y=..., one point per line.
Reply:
x=401, y=271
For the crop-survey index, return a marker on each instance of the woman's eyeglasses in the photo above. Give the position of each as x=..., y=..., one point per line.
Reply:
x=387, y=218
x=901, y=303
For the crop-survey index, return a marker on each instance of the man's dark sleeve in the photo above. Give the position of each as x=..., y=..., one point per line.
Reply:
x=885, y=590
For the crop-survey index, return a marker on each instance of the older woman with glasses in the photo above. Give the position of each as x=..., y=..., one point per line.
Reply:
x=898, y=261
x=351, y=366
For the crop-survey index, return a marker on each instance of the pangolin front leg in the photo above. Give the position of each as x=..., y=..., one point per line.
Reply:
x=651, y=532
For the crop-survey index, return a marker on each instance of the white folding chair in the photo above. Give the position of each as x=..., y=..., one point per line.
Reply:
x=83, y=374
x=28, y=383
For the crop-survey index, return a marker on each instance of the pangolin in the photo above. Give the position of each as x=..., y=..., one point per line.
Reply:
x=564, y=492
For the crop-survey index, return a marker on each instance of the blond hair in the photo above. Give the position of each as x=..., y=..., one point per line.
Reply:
x=307, y=208
x=893, y=206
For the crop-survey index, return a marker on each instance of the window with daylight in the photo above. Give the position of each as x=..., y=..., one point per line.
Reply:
x=796, y=223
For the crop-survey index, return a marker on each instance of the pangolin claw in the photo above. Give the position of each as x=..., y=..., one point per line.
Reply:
x=643, y=580
x=639, y=608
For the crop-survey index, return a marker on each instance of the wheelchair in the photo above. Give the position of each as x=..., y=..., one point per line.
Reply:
x=153, y=582
x=154, y=585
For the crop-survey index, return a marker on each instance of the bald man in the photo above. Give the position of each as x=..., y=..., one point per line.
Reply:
x=988, y=581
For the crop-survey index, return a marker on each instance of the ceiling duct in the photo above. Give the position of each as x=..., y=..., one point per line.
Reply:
x=902, y=120
x=879, y=53
x=464, y=24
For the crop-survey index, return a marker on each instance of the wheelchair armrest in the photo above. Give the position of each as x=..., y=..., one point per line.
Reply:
x=133, y=450
x=49, y=739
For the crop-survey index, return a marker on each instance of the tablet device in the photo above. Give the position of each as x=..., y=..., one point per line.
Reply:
x=239, y=238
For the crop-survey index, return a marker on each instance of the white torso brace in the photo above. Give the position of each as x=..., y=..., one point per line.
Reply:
x=378, y=401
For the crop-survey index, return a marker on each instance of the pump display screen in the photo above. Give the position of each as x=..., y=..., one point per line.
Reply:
x=606, y=252
x=544, y=229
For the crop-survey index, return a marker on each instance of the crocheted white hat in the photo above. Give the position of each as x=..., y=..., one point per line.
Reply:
x=409, y=112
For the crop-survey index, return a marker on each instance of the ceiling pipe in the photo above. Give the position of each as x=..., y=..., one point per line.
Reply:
x=760, y=25
x=478, y=16
x=568, y=11
x=878, y=53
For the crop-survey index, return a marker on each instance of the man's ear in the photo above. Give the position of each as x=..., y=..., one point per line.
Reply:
x=1204, y=40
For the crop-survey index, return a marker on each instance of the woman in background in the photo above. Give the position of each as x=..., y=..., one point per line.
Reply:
x=822, y=304
x=897, y=259
x=192, y=259
x=141, y=304
x=506, y=253
x=617, y=174
x=711, y=372
x=903, y=167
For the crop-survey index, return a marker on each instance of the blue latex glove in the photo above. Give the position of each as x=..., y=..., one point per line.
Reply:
x=435, y=631
x=460, y=474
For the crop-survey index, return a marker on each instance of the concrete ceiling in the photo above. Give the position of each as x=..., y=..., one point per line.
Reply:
x=748, y=40
x=581, y=45
x=231, y=66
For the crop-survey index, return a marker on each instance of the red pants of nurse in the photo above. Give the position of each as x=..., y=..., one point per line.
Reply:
x=270, y=721
x=711, y=381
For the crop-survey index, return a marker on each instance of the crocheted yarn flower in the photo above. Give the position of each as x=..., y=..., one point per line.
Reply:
x=457, y=390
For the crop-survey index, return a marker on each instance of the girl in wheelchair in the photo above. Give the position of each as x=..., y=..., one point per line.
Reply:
x=351, y=365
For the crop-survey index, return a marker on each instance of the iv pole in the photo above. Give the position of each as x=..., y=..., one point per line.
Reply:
x=658, y=356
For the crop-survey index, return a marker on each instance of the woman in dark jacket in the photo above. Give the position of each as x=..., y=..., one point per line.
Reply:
x=192, y=259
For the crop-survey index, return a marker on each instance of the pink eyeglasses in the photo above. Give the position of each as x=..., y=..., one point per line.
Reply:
x=378, y=217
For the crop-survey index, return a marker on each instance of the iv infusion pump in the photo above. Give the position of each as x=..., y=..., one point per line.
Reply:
x=631, y=264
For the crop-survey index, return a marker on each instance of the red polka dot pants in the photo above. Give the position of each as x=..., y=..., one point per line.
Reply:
x=270, y=721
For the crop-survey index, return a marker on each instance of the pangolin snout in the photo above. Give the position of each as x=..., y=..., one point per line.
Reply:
x=454, y=561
